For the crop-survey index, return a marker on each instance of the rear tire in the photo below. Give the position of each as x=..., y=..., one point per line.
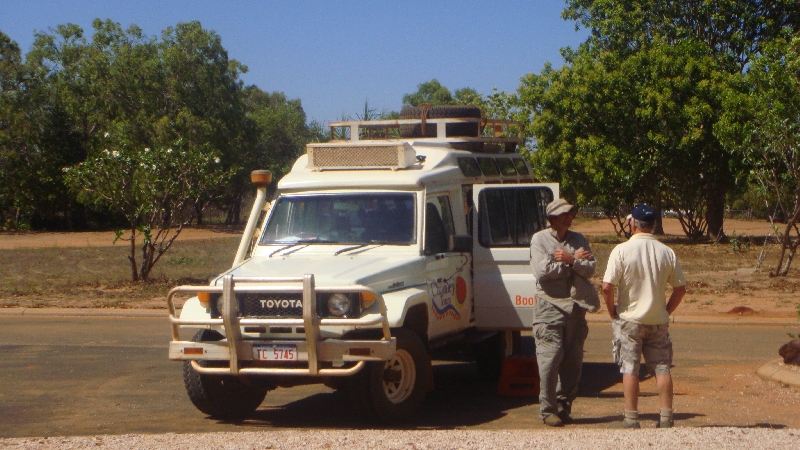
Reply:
x=489, y=354
x=220, y=396
x=393, y=390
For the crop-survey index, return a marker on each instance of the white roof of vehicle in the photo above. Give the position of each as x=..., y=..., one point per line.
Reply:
x=440, y=165
x=400, y=163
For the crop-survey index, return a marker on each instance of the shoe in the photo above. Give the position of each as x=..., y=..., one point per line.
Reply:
x=564, y=416
x=553, y=420
x=665, y=423
x=626, y=424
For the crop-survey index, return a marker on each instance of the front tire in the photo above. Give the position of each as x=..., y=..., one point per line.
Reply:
x=393, y=390
x=221, y=397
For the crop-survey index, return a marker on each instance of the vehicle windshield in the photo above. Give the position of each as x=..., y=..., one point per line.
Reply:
x=371, y=218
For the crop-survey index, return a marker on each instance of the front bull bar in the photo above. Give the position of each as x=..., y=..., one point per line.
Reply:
x=313, y=350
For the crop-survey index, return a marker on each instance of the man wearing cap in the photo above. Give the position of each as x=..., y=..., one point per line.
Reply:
x=562, y=264
x=639, y=270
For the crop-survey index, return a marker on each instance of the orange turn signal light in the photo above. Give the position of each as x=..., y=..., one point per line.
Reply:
x=367, y=299
x=205, y=299
x=261, y=178
x=193, y=351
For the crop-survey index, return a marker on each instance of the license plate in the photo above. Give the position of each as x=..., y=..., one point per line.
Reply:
x=279, y=352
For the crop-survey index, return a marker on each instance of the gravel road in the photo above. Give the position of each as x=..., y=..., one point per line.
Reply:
x=704, y=438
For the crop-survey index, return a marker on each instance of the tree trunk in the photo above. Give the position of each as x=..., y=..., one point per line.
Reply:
x=232, y=215
x=715, y=211
x=658, y=230
x=132, y=257
x=147, y=260
x=198, y=212
x=238, y=210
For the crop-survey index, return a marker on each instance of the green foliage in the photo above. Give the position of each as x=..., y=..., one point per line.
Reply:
x=429, y=92
x=762, y=121
x=739, y=244
x=618, y=129
x=149, y=92
x=631, y=116
x=497, y=105
x=274, y=135
x=733, y=29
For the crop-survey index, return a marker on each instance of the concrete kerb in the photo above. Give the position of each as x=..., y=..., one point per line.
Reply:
x=779, y=372
x=712, y=320
x=83, y=312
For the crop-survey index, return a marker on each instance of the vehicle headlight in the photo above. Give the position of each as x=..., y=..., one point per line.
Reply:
x=218, y=304
x=338, y=304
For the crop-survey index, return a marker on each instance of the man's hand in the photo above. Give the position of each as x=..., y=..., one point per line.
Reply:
x=608, y=295
x=584, y=254
x=564, y=256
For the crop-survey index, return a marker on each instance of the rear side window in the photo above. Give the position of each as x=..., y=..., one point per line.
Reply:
x=506, y=167
x=469, y=167
x=510, y=216
x=488, y=167
x=521, y=167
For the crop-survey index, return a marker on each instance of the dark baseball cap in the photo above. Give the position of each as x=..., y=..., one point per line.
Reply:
x=643, y=212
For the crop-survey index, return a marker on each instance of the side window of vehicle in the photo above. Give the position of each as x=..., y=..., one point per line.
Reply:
x=510, y=216
x=438, y=224
x=506, y=167
x=488, y=166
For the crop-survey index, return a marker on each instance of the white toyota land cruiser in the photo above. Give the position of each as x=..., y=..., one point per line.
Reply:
x=406, y=236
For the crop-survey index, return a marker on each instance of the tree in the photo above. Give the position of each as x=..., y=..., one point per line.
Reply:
x=732, y=30
x=148, y=117
x=12, y=140
x=156, y=190
x=762, y=120
x=616, y=129
x=429, y=92
x=432, y=92
x=275, y=136
x=38, y=136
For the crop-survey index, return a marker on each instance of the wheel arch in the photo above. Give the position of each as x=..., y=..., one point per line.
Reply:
x=399, y=305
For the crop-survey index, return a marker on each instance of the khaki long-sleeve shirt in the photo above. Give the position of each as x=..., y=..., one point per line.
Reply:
x=561, y=284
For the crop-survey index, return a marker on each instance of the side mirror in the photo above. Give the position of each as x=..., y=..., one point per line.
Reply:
x=460, y=244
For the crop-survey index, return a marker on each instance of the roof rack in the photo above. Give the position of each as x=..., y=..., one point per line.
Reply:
x=500, y=135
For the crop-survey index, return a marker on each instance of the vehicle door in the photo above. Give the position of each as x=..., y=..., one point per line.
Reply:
x=505, y=218
x=448, y=274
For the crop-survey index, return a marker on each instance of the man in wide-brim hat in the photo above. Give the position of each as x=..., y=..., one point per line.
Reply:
x=562, y=264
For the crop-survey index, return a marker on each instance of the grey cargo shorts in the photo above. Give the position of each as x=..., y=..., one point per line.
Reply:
x=632, y=340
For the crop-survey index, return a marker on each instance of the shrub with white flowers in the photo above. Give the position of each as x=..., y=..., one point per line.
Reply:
x=156, y=189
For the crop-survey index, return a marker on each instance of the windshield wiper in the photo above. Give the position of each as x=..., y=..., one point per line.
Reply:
x=294, y=244
x=347, y=249
x=373, y=244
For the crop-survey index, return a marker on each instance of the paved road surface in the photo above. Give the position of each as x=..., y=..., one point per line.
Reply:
x=104, y=375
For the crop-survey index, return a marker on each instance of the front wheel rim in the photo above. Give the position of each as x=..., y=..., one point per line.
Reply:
x=399, y=377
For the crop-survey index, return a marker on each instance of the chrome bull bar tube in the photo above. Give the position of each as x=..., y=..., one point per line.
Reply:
x=234, y=349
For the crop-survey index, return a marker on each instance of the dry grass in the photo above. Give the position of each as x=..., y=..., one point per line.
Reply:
x=720, y=278
x=99, y=277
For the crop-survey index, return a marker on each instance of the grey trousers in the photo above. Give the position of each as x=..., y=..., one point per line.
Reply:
x=559, y=353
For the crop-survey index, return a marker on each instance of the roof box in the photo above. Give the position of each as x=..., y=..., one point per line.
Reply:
x=380, y=156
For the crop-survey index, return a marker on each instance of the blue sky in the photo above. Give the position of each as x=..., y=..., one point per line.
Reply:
x=335, y=55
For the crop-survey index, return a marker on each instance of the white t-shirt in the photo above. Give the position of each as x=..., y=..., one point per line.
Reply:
x=641, y=268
